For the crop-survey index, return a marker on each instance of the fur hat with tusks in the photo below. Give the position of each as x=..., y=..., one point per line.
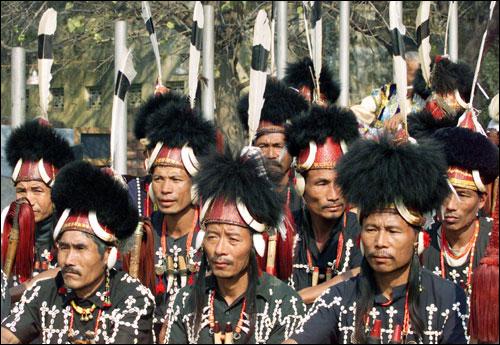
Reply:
x=177, y=135
x=90, y=200
x=320, y=123
x=298, y=75
x=468, y=151
x=31, y=143
x=410, y=178
x=240, y=190
x=281, y=104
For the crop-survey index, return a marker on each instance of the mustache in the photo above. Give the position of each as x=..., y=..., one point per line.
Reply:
x=380, y=254
x=70, y=269
x=221, y=261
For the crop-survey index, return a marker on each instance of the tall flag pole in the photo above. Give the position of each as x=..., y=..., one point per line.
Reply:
x=126, y=73
x=469, y=118
x=195, y=50
x=423, y=39
x=398, y=54
x=148, y=20
x=46, y=30
x=258, y=73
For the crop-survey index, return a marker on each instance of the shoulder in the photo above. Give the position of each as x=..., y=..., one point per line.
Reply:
x=446, y=293
x=124, y=286
x=273, y=288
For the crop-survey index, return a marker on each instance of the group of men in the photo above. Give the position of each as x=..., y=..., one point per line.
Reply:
x=313, y=234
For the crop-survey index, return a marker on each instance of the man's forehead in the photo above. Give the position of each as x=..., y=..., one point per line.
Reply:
x=271, y=139
x=31, y=184
x=169, y=171
x=74, y=237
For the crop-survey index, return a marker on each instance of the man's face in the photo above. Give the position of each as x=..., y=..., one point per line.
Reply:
x=411, y=71
x=273, y=147
x=228, y=249
x=388, y=241
x=459, y=214
x=172, y=189
x=38, y=194
x=80, y=261
x=451, y=100
x=321, y=194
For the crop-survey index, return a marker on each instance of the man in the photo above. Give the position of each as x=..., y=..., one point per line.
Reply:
x=176, y=137
x=379, y=112
x=299, y=77
x=326, y=231
x=451, y=85
x=36, y=153
x=235, y=302
x=392, y=299
x=88, y=301
x=280, y=106
x=459, y=240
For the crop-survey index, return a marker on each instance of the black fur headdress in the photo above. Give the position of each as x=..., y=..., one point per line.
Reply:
x=470, y=151
x=154, y=103
x=373, y=175
x=281, y=104
x=423, y=125
x=448, y=76
x=82, y=187
x=233, y=178
x=298, y=74
x=33, y=141
x=320, y=123
x=174, y=123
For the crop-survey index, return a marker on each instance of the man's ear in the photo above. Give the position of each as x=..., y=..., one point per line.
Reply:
x=482, y=199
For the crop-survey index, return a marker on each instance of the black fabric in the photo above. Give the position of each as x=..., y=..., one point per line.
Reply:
x=331, y=318
x=45, y=312
x=431, y=256
x=306, y=241
x=176, y=247
x=45, y=46
x=279, y=310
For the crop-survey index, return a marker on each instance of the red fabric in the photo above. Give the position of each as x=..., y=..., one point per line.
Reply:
x=484, y=314
x=24, y=259
x=284, y=252
x=224, y=211
x=327, y=154
x=436, y=112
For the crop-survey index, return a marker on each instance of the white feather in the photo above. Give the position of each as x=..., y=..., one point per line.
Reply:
x=47, y=26
x=261, y=36
x=424, y=50
x=396, y=22
x=194, y=54
x=317, y=46
x=146, y=14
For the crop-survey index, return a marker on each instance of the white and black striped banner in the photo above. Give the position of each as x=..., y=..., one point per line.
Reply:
x=261, y=47
x=398, y=30
x=423, y=39
x=125, y=76
x=46, y=30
